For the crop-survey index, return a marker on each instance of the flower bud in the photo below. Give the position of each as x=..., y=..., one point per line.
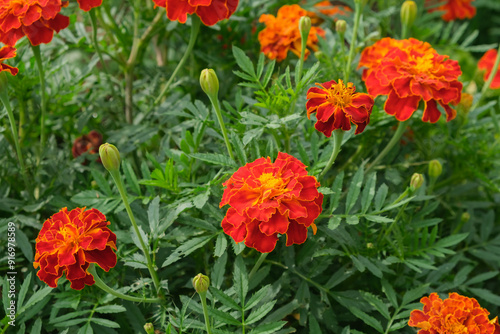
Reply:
x=110, y=157
x=149, y=328
x=435, y=168
x=209, y=83
x=341, y=26
x=465, y=217
x=416, y=181
x=201, y=283
x=304, y=27
x=408, y=13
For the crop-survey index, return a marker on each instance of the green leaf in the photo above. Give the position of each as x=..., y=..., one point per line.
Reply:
x=337, y=191
x=390, y=293
x=378, y=219
x=352, y=220
x=257, y=297
x=105, y=322
x=239, y=148
x=243, y=61
x=219, y=270
x=101, y=181
x=154, y=214
x=24, y=289
x=260, y=312
x=269, y=73
x=270, y=328
x=370, y=266
x=225, y=299
x=223, y=316
x=413, y=294
x=131, y=178
x=86, y=329
x=314, y=325
x=186, y=248
x=334, y=222
x=367, y=319
x=220, y=245
x=354, y=189
x=240, y=278
x=35, y=298
x=482, y=277
x=451, y=240
x=110, y=309
x=368, y=192
x=37, y=327
x=487, y=295
x=24, y=244
x=381, y=196
x=376, y=302
x=214, y=158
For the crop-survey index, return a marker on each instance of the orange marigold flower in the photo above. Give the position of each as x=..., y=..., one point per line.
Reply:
x=327, y=9
x=37, y=19
x=87, y=5
x=87, y=143
x=486, y=63
x=209, y=11
x=409, y=71
x=454, y=9
x=336, y=106
x=457, y=314
x=282, y=33
x=69, y=241
x=270, y=198
x=7, y=52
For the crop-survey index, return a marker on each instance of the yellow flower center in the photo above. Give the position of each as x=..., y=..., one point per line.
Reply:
x=452, y=326
x=270, y=187
x=69, y=235
x=422, y=64
x=340, y=95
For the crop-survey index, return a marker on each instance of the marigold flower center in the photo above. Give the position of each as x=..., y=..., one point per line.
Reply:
x=421, y=64
x=271, y=187
x=340, y=95
x=452, y=326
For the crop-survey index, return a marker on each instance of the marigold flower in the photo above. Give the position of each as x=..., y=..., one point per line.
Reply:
x=409, y=71
x=336, y=106
x=282, y=33
x=87, y=143
x=326, y=8
x=486, y=63
x=209, y=11
x=457, y=314
x=7, y=52
x=87, y=5
x=37, y=19
x=454, y=9
x=69, y=241
x=270, y=198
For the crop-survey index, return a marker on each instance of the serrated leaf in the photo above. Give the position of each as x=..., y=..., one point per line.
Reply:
x=377, y=303
x=368, y=192
x=260, y=312
x=239, y=148
x=220, y=245
x=378, y=219
x=37, y=327
x=413, y=294
x=24, y=244
x=35, y=298
x=354, y=189
x=101, y=181
x=223, y=316
x=352, y=220
x=225, y=299
x=186, y=248
x=390, y=293
x=86, y=329
x=243, y=61
x=487, y=295
x=337, y=191
x=270, y=328
x=105, y=322
x=131, y=178
x=482, y=277
x=451, y=240
x=24, y=289
x=110, y=309
x=214, y=158
x=370, y=266
x=381, y=196
x=367, y=319
x=240, y=278
x=154, y=214
x=257, y=297
x=217, y=276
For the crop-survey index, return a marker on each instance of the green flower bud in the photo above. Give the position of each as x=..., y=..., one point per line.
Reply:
x=201, y=283
x=416, y=181
x=465, y=217
x=304, y=27
x=435, y=169
x=149, y=328
x=110, y=157
x=209, y=83
x=408, y=13
x=341, y=26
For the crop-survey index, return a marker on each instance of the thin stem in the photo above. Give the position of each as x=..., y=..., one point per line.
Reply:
x=359, y=9
x=100, y=283
x=395, y=138
x=337, y=142
x=215, y=103
x=195, y=28
x=488, y=82
x=152, y=271
x=342, y=52
x=41, y=73
x=203, y=297
x=257, y=265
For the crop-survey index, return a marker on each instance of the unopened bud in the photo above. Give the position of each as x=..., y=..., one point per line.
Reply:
x=149, y=328
x=201, y=283
x=408, y=13
x=416, y=181
x=209, y=83
x=435, y=168
x=341, y=26
x=110, y=157
x=465, y=217
x=304, y=27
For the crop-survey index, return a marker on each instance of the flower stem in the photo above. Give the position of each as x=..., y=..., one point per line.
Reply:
x=100, y=283
x=337, y=142
x=357, y=17
x=488, y=82
x=395, y=138
x=195, y=28
x=215, y=103
x=41, y=73
x=203, y=297
x=257, y=265
x=152, y=271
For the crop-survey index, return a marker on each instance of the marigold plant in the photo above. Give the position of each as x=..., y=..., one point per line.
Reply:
x=282, y=33
x=486, y=63
x=87, y=5
x=69, y=241
x=37, y=19
x=337, y=105
x=209, y=11
x=456, y=314
x=453, y=9
x=7, y=52
x=270, y=198
x=409, y=71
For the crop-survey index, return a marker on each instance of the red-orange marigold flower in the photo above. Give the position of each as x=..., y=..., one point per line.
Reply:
x=486, y=63
x=337, y=105
x=37, y=19
x=87, y=5
x=456, y=314
x=282, y=33
x=453, y=9
x=327, y=9
x=209, y=11
x=7, y=52
x=270, y=198
x=409, y=71
x=87, y=143
x=69, y=241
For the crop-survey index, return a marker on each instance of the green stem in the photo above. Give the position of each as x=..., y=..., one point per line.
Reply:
x=303, y=44
x=337, y=142
x=359, y=9
x=257, y=265
x=195, y=27
x=38, y=60
x=152, y=271
x=6, y=102
x=342, y=52
x=215, y=103
x=203, y=297
x=395, y=138
x=100, y=283
x=488, y=82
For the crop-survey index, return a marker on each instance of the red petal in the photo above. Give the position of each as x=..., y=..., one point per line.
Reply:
x=296, y=234
x=214, y=13
x=258, y=240
x=87, y=5
x=278, y=223
x=402, y=108
x=178, y=10
x=431, y=112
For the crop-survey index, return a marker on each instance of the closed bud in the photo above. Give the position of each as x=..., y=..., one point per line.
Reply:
x=209, y=83
x=110, y=157
x=416, y=181
x=435, y=169
x=304, y=27
x=201, y=283
x=149, y=328
x=465, y=217
x=341, y=26
x=408, y=13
